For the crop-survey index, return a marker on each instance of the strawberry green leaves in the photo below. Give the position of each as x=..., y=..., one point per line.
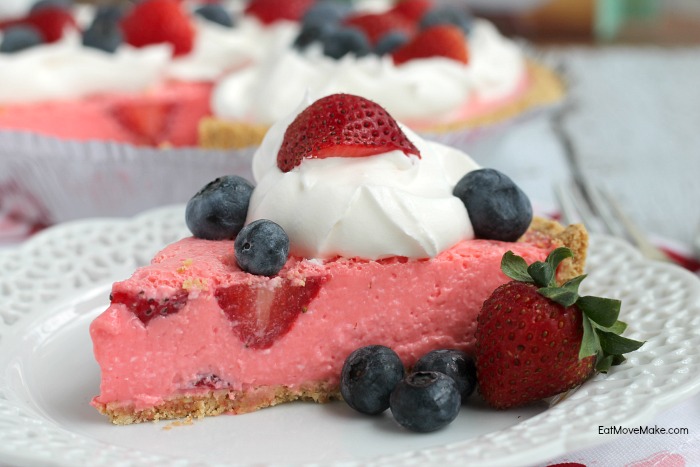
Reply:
x=601, y=327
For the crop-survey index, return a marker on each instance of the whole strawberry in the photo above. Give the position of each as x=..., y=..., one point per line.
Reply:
x=535, y=339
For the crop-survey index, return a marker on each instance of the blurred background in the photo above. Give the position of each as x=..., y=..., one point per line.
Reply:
x=632, y=111
x=629, y=123
x=663, y=22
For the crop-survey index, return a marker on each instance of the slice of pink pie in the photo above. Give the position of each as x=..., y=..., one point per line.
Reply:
x=193, y=335
x=381, y=226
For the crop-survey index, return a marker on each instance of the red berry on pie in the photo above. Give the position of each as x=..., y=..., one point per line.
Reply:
x=412, y=9
x=260, y=312
x=50, y=21
x=341, y=125
x=146, y=308
x=377, y=25
x=147, y=121
x=536, y=339
x=269, y=11
x=159, y=21
x=444, y=40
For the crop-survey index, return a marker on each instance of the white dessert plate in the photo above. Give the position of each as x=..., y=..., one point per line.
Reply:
x=58, y=281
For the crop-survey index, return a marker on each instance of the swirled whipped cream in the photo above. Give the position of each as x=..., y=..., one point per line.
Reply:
x=366, y=207
x=435, y=89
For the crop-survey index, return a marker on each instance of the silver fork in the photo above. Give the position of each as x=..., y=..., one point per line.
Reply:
x=601, y=213
x=582, y=201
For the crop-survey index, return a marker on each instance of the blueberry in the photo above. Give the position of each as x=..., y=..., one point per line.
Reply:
x=368, y=376
x=498, y=209
x=65, y=4
x=216, y=14
x=425, y=401
x=323, y=13
x=262, y=248
x=342, y=41
x=454, y=363
x=112, y=13
x=390, y=42
x=20, y=37
x=104, y=32
x=218, y=210
x=311, y=33
x=447, y=14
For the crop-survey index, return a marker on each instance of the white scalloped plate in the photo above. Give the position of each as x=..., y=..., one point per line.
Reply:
x=56, y=283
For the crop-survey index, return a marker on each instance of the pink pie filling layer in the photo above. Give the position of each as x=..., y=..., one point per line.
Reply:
x=475, y=106
x=168, y=114
x=294, y=329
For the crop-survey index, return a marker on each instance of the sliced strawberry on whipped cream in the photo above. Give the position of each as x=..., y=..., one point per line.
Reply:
x=412, y=9
x=341, y=125
x=376, y=25
x=444, y=40
x=50, y=21
x=159, y=21
x=270, y=11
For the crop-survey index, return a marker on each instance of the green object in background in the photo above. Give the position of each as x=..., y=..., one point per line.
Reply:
x=612, y=14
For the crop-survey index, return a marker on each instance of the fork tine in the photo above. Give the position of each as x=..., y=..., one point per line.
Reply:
x=633, y=233
x=575, y=207
x=600, y=203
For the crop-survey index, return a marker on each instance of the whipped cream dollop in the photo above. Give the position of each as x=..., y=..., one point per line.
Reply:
x=434, y=88
x=10, y=9
x=66, y=69
x=218, y=49
x=366, y=207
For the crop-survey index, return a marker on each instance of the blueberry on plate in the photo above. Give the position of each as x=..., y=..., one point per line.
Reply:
x=425, y=401
x=345, y=40
x=261, y=248
x=216, y=14
x=368, y=377
x=20, y=37
x=104, y=32
x=498, y=209
x=456, y=364
x=218, y=210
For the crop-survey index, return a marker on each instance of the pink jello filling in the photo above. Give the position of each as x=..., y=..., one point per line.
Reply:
x=168, y=114
x=412, y=306
x=474, y=107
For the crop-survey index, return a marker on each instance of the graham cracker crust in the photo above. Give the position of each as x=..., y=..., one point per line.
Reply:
x=215, y=133
x=546, y=88
x=550, y=233
x=217, y=402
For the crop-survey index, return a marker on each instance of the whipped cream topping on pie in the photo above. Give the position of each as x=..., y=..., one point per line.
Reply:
x=419, y=89
x=68, y=70
x=367, y=207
